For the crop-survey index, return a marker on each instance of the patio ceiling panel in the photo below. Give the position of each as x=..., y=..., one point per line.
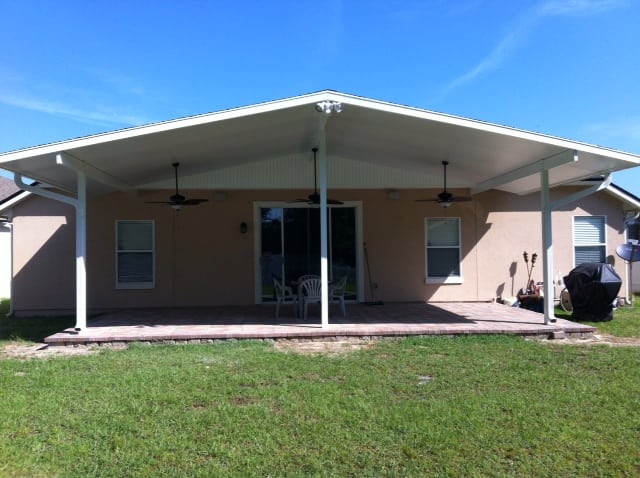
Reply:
x=383, y=136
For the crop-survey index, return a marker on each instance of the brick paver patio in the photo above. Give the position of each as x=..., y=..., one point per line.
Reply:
x=258, y=322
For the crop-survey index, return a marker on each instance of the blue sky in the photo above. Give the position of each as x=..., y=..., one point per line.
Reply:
x=565, y=68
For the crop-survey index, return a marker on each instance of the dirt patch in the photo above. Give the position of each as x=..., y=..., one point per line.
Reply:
x=323, y=347
x=43, y=351
x=597, y=339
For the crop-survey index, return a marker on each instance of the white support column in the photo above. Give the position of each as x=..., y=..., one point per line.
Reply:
x=547, y=247
x=80, y=205
x=324, y=230
x=325, y=109
x=81, y=252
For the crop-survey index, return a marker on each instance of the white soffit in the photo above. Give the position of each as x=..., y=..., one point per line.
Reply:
x=405, y=145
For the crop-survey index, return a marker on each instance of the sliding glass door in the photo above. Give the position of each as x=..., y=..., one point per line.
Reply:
x=290, y=245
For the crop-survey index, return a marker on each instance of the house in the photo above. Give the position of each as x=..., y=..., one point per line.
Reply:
x=408, y=204
x=633, y=236
x=9, y=193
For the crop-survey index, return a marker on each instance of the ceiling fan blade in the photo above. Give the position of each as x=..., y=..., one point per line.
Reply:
x=445, y=198
x=314, y=198
x=177, y=200
x=192, y=202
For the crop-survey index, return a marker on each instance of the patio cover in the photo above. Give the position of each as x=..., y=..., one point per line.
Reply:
x=368, y=144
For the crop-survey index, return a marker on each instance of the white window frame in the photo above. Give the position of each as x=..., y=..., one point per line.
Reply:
x=598, y=244
x=452, y=279
x=136, y=285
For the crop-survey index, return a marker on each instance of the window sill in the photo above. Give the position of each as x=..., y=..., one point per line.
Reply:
x=443, y=280
x=136, y=285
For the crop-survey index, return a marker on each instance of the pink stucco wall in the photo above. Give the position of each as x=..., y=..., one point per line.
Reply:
x=43, y=256
x=202, y=259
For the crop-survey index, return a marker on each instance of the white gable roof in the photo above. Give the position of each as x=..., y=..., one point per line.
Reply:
x=370, y=144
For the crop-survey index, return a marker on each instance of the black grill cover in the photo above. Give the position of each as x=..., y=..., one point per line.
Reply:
x=593, y=286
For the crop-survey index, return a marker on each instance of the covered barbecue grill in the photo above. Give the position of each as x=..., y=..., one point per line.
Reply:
x=593, y=287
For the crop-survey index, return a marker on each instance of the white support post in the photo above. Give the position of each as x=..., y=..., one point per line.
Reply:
x=325, y=109
x=547, y=248
x=81, y=252
x=80, y=205
x=324, y=243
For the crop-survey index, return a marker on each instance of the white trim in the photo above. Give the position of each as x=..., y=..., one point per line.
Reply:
x=565, y=201
x=55, y=148
x=92, y=172
x=14, y=200
x=81, y=252
x=624, y=196
x=136, y=285
x=573, y=234
x=546, y=208
x=40, y=191
x=565, y=157
x=457, y=279
x=324, y=234
x=257, y=241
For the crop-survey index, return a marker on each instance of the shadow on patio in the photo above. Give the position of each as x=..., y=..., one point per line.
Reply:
x=258, y=322
x=405, y=312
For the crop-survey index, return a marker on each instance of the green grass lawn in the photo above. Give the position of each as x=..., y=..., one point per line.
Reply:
x=625, y=323
x=483, y=406
x=466, y=406
x=31, y=329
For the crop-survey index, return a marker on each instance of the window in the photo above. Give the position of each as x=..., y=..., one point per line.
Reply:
x=589, y=240
x=443, y=250
x=633, y=233
x=135, y=254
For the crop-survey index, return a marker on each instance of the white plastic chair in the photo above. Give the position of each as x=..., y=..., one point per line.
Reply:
x=284, y=295
x=337, y=292
x=303, y=278
x=310, y=290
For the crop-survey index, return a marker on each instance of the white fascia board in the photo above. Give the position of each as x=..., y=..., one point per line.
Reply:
x=14, y=200
x=624, y=196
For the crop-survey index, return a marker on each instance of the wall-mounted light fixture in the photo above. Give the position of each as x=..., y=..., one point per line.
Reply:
x=243, y=228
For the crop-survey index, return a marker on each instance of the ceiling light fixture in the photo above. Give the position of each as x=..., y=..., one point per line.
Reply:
x=328, y=107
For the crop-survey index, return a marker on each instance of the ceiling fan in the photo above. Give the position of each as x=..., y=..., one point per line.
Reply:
x=445, y=198
x=177, y=200
x=314, y=197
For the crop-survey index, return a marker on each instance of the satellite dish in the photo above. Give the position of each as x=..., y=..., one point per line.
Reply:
x=629, y=252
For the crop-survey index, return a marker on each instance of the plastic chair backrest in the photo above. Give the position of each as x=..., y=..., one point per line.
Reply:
x=280, y=293
x=311, y=288
x=339, y=287
x=303, y=278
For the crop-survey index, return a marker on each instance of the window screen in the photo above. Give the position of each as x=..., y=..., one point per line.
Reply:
x=589, y=239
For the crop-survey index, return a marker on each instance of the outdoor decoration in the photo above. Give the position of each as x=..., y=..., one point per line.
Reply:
x=534, y=256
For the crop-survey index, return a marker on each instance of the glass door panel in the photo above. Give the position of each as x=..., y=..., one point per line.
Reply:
x=302, y=242
x=271, y=258
x=290, y=246
x=342, y=247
